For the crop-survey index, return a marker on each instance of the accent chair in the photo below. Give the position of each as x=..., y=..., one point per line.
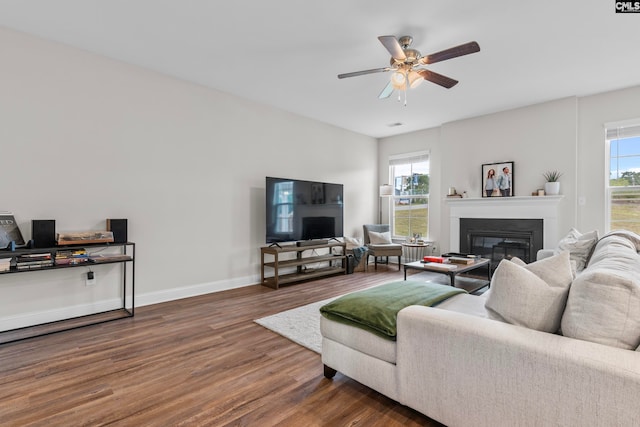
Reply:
x=376, y=246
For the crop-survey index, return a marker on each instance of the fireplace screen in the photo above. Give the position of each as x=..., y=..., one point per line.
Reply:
x=498, y=238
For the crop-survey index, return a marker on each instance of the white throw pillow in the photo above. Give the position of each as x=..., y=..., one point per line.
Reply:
x=531, y=295
x=579, y=246
x=352, y=242
x=604, y=302
x=376, y=238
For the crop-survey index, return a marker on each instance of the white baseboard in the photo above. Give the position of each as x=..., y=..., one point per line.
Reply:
x=39, y=317
x=149, y=298
x=194, y=290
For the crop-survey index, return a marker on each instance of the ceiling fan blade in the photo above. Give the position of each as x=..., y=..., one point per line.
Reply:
x=438, y=79
x=393, y=46
x=362, y=73
x=454, y=52
x=386, y=92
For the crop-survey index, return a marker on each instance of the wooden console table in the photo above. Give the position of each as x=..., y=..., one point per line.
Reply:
x=336, y=263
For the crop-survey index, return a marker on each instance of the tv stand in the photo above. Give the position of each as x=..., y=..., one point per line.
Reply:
x=296, y=268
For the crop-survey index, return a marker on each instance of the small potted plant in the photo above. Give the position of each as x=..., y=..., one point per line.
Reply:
x=552, y=186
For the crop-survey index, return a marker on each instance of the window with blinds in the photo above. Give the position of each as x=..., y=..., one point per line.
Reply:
x=623, y=184
x=409, y=176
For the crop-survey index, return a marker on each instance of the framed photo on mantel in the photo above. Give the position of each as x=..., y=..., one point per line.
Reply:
x=497, y=179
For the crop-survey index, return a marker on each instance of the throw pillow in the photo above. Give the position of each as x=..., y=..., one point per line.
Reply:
x=376, y=238
x=352, y=242
x=579, y=246
x=531, y=295
x=604, y=302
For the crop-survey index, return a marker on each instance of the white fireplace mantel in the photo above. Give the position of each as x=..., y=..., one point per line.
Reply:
x=519, y=207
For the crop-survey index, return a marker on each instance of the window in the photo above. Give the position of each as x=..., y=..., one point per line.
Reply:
x=283, y=202
x=410, y=180
x=623, y=184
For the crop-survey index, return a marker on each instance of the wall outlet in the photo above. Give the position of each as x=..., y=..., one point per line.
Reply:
x=90, y=278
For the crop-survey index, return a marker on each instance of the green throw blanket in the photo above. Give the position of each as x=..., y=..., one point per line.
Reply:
x=376, y=309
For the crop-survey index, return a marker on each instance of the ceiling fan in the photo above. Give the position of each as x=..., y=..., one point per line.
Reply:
x=406, y=65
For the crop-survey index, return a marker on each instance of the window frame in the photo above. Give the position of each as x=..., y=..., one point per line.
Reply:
x=614, y=132
x=406, y=159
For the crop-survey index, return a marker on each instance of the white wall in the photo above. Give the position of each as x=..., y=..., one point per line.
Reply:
x=85, y=138
x=594, y=112
x=565, y=134
x=536, y=138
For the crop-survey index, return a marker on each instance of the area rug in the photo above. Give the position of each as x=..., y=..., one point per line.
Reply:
x=301, y=324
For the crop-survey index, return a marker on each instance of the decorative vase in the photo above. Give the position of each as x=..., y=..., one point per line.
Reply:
x=552, y=188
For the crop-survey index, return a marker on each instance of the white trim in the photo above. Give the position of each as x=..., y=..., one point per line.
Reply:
x=404, y=159
x=194, y=290
x=40, y=317
x=407, y=156
x=634, y=125
x=45, y=316
x=621, y=124
x=607, y=187
x=518, y=207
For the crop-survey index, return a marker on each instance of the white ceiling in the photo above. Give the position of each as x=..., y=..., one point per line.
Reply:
x=287, y=53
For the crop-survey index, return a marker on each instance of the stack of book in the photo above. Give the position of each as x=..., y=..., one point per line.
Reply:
x=71, y=257
x=461, y=260
x=31, y=261
x=440, y=266
x=5, y=264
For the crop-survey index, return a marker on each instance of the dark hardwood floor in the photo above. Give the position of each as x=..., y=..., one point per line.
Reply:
x=199, y=361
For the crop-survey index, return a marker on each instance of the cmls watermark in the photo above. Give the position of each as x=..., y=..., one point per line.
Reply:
x=628, y=7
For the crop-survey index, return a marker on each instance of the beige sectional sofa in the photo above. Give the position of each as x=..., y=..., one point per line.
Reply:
x=464, y=364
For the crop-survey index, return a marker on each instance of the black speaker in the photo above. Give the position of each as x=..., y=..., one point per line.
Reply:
x=43, y=233
x=351, y=263
x=119, y=229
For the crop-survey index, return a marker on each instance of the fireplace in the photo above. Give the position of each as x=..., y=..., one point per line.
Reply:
x=519, y=208
x=501, y=238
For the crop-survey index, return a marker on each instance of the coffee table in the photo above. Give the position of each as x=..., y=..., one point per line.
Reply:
x=459, y=268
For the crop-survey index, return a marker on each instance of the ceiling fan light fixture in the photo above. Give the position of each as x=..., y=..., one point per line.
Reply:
x=398, y=80
x=415, y=78
x=405, y=62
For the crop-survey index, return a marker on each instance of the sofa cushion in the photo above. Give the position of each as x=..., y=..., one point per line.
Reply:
x=604, y=301
x=358, y=339
x=531, y=295
x=579, y=246
x=632, y=239
x=376, y=238
x=473, y=305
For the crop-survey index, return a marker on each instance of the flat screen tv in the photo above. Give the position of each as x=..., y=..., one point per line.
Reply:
x=299, y=210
